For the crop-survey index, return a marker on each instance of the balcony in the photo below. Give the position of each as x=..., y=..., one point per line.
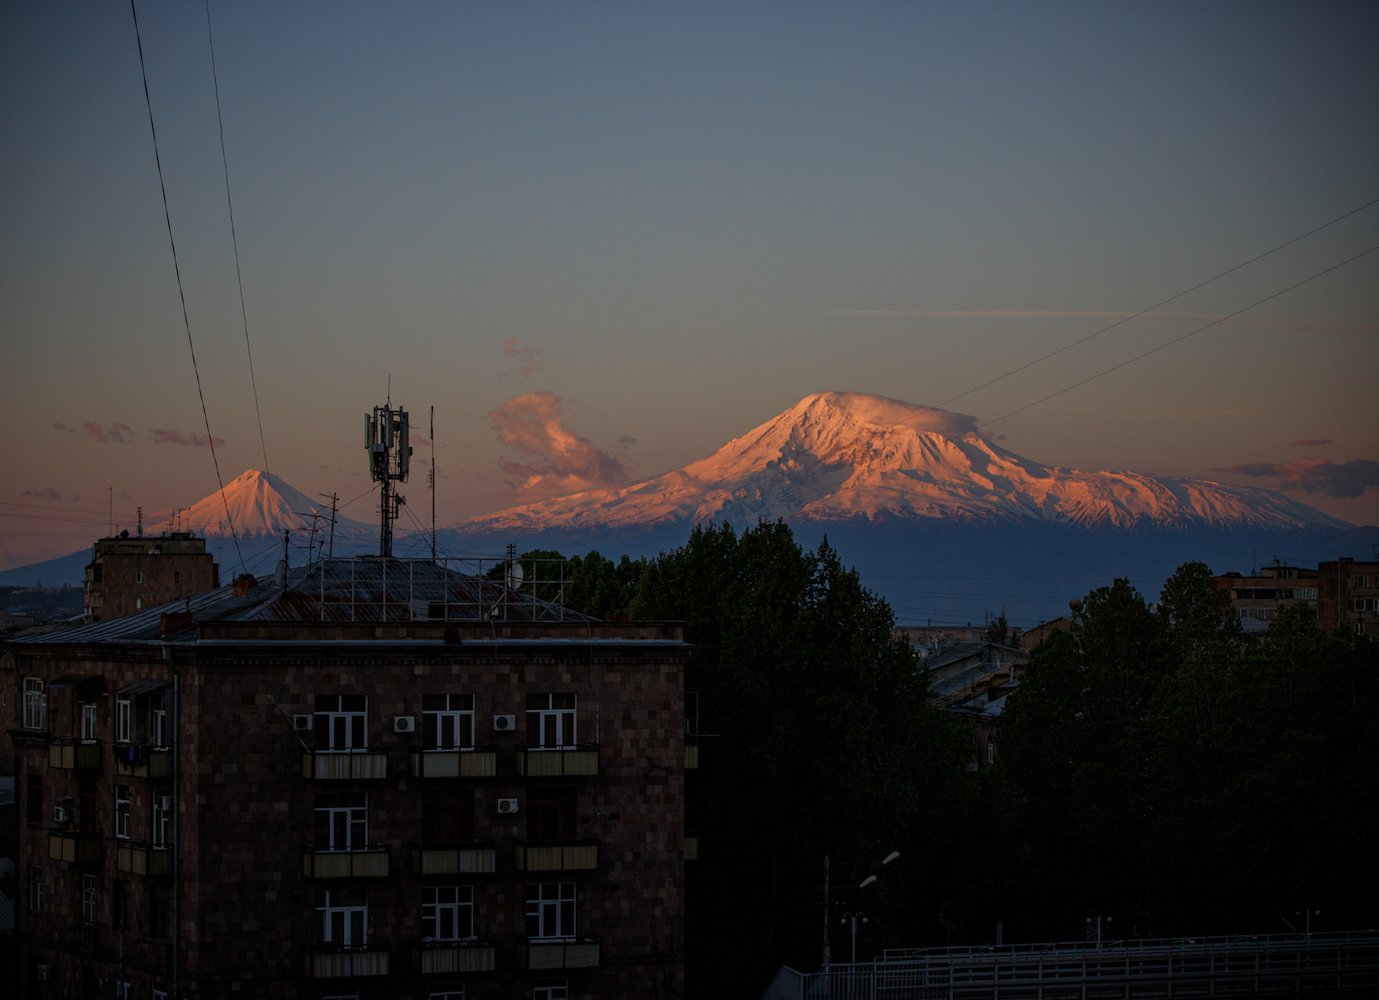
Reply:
x=563, y=762
x=538, y=955
x=75, y=847
x=691, y=756
x=454, y=957
x=133, y=760
x=371, y=862
x=141, y=859
x=571, y=856
x=455, y=859
x=453, y=763
x=344, y=765
x=367, y=961
x=74, y=755
x=691, y=848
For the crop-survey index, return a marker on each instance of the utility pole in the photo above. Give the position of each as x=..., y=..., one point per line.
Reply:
x=828, y=926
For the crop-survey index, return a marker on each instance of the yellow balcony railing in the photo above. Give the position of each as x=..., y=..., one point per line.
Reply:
x=453, y=859
x=75, y=847
x=573, y=856
x=563, y=762
x=454, y=957
x=453, y=763
x=371, y=862
x=73, y=755
x=542, y=955
x=344, y=765
x=371, y=961
x=135, y=761
x=141, y=859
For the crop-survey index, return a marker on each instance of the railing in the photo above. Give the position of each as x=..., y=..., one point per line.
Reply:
x=344, y=765
x=368, y=862
x=141, y=859
x=562, y=762
x=456, y=859
x=536, y=954
x=572, y=856
x=366, y=961
x=74, y=755
x=454, y=763
x=454, y=957
x=76, y=847
x=134, y=760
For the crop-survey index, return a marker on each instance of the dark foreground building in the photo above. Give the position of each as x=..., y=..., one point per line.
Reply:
x=378, y=778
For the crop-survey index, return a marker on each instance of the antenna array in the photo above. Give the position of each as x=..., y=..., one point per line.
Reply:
x=390, y=456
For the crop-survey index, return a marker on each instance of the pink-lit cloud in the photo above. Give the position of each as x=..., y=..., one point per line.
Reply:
x=529, y=356
x=114, y=434
x=1345, y=480
x=558, y=460
x=1310, y=443
x=161, y=435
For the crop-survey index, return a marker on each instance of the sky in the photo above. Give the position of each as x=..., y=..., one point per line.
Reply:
x=601, y=239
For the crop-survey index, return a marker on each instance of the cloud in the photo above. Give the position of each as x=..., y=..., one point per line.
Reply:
x=163, y=436
x=59, y=426
x=1345, y=480
x=626, y=441
x=560, y=461
x=1310, y=443
x=531, y=357
x=114, y=434
x=42, y=494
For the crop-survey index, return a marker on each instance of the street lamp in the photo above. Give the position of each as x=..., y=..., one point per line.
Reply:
x=853, y=918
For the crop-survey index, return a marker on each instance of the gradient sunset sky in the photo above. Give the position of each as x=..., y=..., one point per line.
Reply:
x=601, y=239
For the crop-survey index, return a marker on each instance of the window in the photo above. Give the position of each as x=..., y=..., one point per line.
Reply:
x=124, y=717
x=158, y=994
x=1362, y=581
x=122, y=989
x=138, y=576
x=343, y=917
x=551, y=910
x=88, y=899
x=122, y=811
x=1357, y=604
x=447, y=818
x=340, y=721
x=447, y=912
x=557, y=990
x=1306, y=593
x=1359, y=628
x=551, y=815
x=342, y=822
x=551, y=721
x=162, y=817
x=453, y=994
x=158, y=715
x=120, y=904
x=35, y=704
x=34, y=796
x=88, y=722
x=159, y=907
x=449, y=721
x=35, y=889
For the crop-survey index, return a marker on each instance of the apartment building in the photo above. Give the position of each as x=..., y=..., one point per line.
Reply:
x=1348, y=596
x=128, y=573
x=371, y=778
x=1258, y=597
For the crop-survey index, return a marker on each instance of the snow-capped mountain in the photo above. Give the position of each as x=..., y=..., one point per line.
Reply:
x=257, y=503
x=845, y=456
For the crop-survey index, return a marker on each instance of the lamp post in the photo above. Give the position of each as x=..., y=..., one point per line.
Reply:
x=853, y=918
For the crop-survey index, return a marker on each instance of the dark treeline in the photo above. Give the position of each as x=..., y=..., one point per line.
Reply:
x=1155, y=768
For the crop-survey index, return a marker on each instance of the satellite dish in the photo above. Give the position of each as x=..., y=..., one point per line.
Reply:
x=515, y=576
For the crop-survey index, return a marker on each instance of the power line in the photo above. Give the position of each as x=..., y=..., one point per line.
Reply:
x=1178, y=340
x=234, y=238
x=181, y=294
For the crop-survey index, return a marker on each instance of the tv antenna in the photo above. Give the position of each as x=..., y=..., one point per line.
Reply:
x=390, y=455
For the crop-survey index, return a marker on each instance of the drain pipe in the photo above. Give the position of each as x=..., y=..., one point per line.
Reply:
x=176, y=730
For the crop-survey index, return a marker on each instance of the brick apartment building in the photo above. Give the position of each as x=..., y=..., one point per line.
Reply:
x=127, y=574
x=1260, y=596
x=1348, y=596
x=379, y=778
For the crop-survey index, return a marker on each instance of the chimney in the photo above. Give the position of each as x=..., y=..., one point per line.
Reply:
x=244, y=583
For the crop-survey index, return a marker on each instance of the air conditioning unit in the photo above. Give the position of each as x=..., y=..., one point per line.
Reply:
x=404, y=723
x=505, y=723
x=59, y=814
x=506, y=807
x=301, y=723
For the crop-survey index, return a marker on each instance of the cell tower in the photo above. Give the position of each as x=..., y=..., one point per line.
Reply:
x=390, y=455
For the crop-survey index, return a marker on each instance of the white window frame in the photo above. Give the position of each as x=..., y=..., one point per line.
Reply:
x=344, y=924
x=551, y=720
x=35, y=889
x=124, y=719
x=162, y=818
x=455, y=993
x=123, y=811
x=89, y=898
x=35, y=704
x=89, y=721
x=159, y=717
x=551, y=991
x=551, y=911
x=449, y=721
x=344, y=818
x=340, y=725
x=447, y=912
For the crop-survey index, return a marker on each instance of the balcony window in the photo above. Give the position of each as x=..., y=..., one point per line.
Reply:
x=447, y=912
x=551, y=721
x=551, y=815
x=551, y=910
x=449, y=720
x=88, y=722
x=35, y=889
x=35, y=704
x=162, y=815
x=340, y=722
x=342, y=822
x=342, y=918
x=124, y=720
x=88, y=899
x=159, y=719
x=551, y=991
x=122, y=811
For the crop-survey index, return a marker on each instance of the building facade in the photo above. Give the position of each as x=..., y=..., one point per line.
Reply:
x=1259, y=597
x=1348, y=596
x=380, y=779
x=129, y=573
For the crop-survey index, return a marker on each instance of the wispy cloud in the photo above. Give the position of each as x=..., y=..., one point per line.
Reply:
x=529, y=356
x=161, y=435
x=1310, y=443
x=59, y=426
x=559, y=460
x=43, y=494
x=114, y=434
x=1345, y=480
x=1263, y=324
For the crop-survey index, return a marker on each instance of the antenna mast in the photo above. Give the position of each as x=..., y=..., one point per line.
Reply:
x=390, y=456
x=431, y=475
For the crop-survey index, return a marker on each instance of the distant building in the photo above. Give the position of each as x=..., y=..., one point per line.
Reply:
x=383, y=779
x=1260, y=597
x=972, y=679
x=1042, y=632
x=1348, y=596
x=130, y=573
